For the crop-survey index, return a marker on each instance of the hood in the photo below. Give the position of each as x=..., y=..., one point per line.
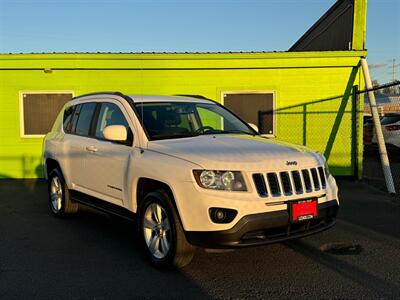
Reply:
x=238, y=152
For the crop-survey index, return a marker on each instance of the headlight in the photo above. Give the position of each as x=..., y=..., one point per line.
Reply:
x=326, y=168
x=220, y=180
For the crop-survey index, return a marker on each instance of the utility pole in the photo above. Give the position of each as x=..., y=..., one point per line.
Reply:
x=394, y=67
x=393, y=70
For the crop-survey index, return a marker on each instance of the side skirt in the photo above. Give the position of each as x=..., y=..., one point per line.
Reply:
x=102, y=205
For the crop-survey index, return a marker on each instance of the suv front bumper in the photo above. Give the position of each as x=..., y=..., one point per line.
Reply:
x=265, y=228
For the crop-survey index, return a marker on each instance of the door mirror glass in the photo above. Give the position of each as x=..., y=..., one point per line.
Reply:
x=116, y=133
x=253, y=126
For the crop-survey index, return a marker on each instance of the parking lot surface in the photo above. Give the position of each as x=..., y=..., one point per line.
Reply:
x=93, y=256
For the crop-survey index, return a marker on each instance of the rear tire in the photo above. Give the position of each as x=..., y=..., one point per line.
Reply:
x=59, y=197
x=161, y=232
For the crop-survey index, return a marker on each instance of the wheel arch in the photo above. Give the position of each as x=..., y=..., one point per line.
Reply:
x=51, y=164
x=147, y=185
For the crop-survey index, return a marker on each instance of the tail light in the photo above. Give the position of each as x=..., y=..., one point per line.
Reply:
x=392, y=127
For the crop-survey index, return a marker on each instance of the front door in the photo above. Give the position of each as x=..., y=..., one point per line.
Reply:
x=108, y=161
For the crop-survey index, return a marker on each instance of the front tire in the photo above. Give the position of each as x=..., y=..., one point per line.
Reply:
x=59, y=197
x=161, y=232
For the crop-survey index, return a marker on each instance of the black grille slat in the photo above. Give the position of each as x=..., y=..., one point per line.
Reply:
x=307, y=180
x=297, y=182
x=314, y=175
x=259, y=182
x=322, y=176
x=286, y=183
x=274, y=184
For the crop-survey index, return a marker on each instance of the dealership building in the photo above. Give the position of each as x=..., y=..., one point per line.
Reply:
x=306, y=95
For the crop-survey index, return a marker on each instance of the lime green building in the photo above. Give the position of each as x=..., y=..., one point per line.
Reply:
x=306, y=95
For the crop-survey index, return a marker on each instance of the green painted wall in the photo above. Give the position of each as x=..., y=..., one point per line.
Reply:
x=313, y=93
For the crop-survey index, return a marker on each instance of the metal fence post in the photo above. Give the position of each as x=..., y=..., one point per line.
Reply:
x=378, y=129
x=354, y=134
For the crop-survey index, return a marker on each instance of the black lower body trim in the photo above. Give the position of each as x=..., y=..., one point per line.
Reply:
x=102, y=205
x=265, y=228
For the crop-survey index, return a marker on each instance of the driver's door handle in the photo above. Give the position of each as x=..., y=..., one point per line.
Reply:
x=91, y=148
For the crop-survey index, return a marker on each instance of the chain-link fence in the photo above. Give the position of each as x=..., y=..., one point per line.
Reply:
x=327, y=125
x=388, y=103
x=339, y=129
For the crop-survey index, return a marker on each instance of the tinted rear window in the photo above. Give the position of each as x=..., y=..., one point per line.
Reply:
x=67, y=124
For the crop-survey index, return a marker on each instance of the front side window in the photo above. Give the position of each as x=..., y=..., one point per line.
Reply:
x=184, y=119
x=84, y=119
x=110, y=114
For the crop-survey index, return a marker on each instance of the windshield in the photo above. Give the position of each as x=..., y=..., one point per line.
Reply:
x=167, y=120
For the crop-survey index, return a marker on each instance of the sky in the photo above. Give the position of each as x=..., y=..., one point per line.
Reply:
x=185, y=25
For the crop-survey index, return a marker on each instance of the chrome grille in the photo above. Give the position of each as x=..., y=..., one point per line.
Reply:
x=274, y=184
x=260, y=185
x=307, y=180
x=297, y=182
x=322, y=176
x=314, y=175
x=287, y=183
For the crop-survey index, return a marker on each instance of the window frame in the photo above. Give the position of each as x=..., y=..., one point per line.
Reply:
x=21, y=109
x=273, y=92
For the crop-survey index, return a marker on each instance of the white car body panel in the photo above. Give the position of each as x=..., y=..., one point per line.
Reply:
x=172, y=162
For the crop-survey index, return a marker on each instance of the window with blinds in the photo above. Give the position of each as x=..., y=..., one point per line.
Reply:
x=40, y=111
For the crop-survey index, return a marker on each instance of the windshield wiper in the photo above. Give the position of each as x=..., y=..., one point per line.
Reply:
x=218, y=131
x=172, y=136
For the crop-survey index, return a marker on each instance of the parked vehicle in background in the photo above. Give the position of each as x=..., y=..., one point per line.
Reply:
x=390, y=129
x=190, y=172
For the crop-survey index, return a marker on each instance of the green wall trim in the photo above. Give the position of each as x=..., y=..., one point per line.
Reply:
x=359, y=24
x=179, y=56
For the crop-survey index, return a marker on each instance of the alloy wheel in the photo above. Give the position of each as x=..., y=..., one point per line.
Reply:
x=157, y=230
x=56, y=194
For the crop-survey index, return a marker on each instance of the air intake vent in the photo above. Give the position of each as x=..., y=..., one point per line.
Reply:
x=297, y=182
x=286, y=184
x=322, y=176
x=314, y=175
x=273, y=184
x=259, y=182
x=307, y=180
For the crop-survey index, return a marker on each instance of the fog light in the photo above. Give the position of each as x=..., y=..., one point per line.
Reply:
x=222, y=215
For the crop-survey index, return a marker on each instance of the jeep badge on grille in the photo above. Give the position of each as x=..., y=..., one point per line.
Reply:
x=291, y=163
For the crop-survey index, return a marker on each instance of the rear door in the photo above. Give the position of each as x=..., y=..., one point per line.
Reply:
x=76, y=141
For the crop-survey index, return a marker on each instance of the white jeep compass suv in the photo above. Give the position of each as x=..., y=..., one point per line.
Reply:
x=189, y=171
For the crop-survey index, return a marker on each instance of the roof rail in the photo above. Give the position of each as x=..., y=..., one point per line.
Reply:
x=99, y=93
x=195, y=96
x=126, y=97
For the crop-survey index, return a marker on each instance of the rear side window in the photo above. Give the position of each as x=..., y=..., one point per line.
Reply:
x=67, y=124
x=84, y=119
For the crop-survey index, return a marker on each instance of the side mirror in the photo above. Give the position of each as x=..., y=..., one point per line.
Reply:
x=253, y=126
x=116, y=133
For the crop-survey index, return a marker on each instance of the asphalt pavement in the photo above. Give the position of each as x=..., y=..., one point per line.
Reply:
x=94, y=256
